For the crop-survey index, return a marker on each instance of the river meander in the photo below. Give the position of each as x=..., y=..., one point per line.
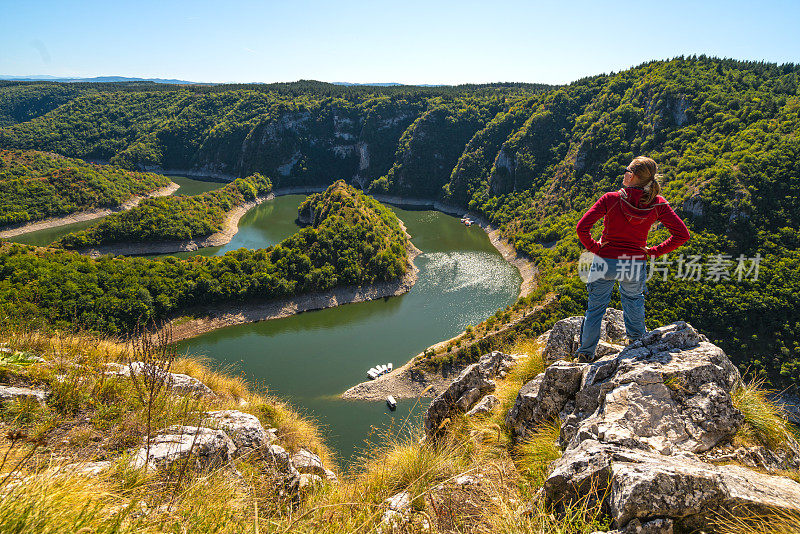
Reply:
x=310, y=358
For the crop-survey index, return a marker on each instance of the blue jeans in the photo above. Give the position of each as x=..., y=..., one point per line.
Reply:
x=632, y=278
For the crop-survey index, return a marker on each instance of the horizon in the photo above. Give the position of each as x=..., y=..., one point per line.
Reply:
x=164, y=80
x=446, y=43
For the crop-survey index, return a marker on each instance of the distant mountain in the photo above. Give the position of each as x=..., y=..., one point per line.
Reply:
x=101, y=79
x=388, y=84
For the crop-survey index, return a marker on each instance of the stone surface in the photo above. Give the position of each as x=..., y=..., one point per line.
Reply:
x=638, y=484
x=244, y=429
x=307, y=462
x=278, y=456
x=396, y=515
x=786, y=458
x=543, y=398
x=207, y=447
x=633, y=424
x=177, y=381
x=10, y=393
x=484, y=407
x=467, y=389
x=564, y=337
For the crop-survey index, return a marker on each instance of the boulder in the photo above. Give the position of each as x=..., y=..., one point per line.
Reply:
x=637, y=484
x=564, y=337
x=466, y=390
x=543, y=398
x=178, y=382
x=307, y=462
x=11, y=393
x=484, y=407
x=206, y=447
x=278, y=456
x=244, y=429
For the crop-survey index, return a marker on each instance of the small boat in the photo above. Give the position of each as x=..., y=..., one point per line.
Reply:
x=391, y=403
x=379, y=370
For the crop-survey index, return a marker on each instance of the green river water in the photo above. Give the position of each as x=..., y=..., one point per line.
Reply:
x=310, y=358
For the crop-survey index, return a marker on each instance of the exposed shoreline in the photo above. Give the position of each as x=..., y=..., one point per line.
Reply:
x=81, y=216
x=230, y=226
x=408, y=383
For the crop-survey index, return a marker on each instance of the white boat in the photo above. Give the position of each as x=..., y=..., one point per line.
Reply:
x=379, y=370
x=391, y=402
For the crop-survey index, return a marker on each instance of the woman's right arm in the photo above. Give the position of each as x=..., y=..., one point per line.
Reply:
x=584, y=227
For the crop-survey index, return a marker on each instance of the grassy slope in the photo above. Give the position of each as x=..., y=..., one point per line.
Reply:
x=90, y=416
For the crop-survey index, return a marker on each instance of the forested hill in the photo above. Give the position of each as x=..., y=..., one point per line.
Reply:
x=531, y=158
x=358, y=241
x=36, y=185
x=170, y=218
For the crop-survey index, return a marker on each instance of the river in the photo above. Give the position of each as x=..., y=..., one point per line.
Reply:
x=310, y=358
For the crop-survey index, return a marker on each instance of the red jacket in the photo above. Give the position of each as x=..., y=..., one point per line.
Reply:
x=626, y=225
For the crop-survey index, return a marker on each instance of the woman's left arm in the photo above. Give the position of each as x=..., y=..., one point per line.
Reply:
x=679, y=234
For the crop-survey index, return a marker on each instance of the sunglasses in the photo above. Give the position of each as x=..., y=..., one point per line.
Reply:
x=628, y=170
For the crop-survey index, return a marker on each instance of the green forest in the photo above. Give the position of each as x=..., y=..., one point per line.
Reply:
x=36, y=185
x=531, y=158
x=170, y=218
x=357, y=241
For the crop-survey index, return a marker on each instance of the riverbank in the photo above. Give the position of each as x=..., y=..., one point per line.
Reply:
x=230, y=226
x=527, y=269
x=203, y=320
x=411, y=381
x=54, y=222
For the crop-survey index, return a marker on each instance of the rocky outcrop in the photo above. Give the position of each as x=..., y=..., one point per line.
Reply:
x=11, y=393
x=244, y=429
x=178, y=382
x=205, y=447
x=484, y=406
x=564, y=338
x=637, y=428
x=471, y=385
x=306, y=462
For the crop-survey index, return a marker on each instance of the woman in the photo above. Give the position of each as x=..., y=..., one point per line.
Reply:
x=627, y=215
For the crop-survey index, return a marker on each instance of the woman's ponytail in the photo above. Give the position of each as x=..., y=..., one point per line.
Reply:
x=646, y=170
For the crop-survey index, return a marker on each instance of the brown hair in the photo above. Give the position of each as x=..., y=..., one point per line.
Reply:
x=645, y=170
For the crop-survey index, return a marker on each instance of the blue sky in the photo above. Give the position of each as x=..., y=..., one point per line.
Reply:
x=375, y=41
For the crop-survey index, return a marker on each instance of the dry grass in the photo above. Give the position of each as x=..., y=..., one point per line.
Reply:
x=765, y=422
x=91, y=416
x=776, y=522
x=534, y=454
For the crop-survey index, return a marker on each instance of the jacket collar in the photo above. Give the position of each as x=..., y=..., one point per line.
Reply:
x=629, y=198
